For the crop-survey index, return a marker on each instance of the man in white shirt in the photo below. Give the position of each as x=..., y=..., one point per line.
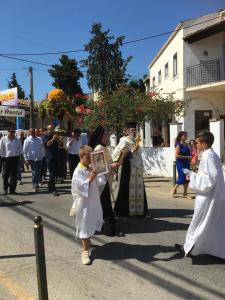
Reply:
x=10, y=151
x=34, y=151
x=73, y=146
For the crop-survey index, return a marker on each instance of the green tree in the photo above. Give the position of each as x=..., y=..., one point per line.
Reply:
x=115, y=110
x=66, y=76
x=137, y=84
x=106, y=68
x=13, y=83
x=130, y=104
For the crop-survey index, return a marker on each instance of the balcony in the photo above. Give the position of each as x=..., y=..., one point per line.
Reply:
x=206, y=73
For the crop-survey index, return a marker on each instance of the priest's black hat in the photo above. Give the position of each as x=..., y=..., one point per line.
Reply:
x=96, y=136
x=131, y=125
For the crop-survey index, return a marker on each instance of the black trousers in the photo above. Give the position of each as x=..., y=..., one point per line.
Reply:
x=61, y=163
x=109, y=225
x=73, y=162
x=9, y=174
x=43, y=167
x=52, y=168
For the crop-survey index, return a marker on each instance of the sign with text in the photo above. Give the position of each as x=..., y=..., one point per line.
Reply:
x=11, y=112
x=9, y=97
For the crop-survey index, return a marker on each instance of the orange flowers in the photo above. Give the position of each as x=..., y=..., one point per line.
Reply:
x=56, y=95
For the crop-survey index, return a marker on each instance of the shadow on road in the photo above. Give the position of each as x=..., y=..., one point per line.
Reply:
x=10, y=204
x=207, y=260
x=16, y=256
x=121, y=251
x=171, y=213
x=200, y=260
x=142, y=225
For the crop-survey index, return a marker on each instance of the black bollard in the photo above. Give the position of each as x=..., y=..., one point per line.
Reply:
x=40, y=259
x=174, y=173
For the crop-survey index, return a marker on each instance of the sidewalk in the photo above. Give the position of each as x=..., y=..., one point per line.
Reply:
x=163, y=186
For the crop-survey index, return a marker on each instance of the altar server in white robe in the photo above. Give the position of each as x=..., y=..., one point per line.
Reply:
x=205, y=234
x=86, y=205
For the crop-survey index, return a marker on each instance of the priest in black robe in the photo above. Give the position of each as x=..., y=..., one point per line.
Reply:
x=129, y=190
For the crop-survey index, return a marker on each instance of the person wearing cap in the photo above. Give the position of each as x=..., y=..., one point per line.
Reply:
x=10, y=151
x=128, y=189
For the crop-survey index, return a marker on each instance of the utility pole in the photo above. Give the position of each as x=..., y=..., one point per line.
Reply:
x=31, y=98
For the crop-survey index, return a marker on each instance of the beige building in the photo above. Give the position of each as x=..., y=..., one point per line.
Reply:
x=191, y=66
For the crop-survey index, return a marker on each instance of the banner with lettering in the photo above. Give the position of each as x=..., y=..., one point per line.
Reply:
x=9, y=97
x=11, y=112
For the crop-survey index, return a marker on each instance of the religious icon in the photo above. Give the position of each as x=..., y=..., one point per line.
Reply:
x=98, y=162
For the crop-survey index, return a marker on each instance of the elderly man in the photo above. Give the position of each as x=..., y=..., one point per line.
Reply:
x=10, y=151
x=51, y=146
x=33, y=151
x=129, y=190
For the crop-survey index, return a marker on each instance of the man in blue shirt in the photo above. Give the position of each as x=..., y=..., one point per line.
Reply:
x=33, y=151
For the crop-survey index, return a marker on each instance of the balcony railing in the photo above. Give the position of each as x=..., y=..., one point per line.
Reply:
x=206, y=72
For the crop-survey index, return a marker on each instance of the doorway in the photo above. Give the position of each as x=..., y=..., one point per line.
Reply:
x=202, y=118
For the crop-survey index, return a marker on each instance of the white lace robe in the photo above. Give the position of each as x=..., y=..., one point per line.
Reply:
x=207, y=229
x=89, y=217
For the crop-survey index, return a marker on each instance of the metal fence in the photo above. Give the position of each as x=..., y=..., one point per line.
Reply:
x=206, y=72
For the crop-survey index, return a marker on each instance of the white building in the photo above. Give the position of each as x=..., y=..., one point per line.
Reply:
x=191, y=65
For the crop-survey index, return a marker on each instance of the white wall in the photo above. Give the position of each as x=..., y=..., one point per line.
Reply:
x=217, y=129
x=170, y=84
x=158, y=160
x=214, y=101
x=194, y=53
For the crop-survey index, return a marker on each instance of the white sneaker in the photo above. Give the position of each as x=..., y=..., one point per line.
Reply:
x=85, y=258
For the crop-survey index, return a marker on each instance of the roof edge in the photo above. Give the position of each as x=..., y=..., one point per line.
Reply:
x=177, y=29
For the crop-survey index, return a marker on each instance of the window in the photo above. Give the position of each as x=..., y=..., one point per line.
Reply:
x=175, y=65
x=159, y=77
x=153, y=82
x=166, y=70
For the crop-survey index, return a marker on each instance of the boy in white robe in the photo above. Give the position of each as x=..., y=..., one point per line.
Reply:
x=205, y=234
x=86, y=206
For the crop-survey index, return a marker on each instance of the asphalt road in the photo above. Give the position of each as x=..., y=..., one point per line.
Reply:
x=143, y=264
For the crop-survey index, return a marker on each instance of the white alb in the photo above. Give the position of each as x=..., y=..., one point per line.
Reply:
x=206, y=231
x=89, y=217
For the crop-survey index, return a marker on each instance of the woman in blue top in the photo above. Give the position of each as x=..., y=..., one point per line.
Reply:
x=183, y=157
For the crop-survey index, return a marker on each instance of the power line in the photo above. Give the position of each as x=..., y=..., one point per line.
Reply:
x=44, y=53
x=124, y=43
x=57, y=72
x=25, y=60
x=168, y=32
x=12, y=69
x=10, y=56
x=99, y=77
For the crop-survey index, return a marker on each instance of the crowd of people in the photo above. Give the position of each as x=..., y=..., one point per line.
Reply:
x=41, y=151
x=122, y=185
x=205, y=233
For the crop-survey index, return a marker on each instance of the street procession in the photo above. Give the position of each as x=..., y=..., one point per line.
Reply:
x=112, y=155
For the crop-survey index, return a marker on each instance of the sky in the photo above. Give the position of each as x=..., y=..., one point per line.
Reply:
x=29, y=26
